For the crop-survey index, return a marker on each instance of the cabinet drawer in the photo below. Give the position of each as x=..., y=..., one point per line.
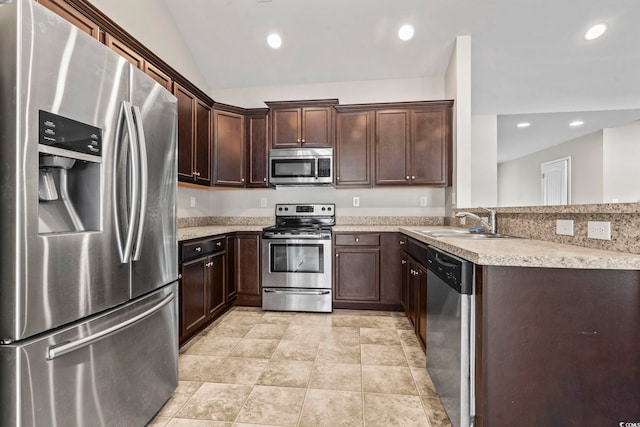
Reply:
x=357, y=239
x=201, y=247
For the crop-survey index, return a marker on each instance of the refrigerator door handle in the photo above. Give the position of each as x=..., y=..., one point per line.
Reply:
x=135, y=186
x=56, y=351
x=144, y=181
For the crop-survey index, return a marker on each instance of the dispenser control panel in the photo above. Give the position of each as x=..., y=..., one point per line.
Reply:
x=62, y=132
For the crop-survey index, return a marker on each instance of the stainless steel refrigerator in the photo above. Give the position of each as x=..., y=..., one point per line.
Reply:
x=88, y=251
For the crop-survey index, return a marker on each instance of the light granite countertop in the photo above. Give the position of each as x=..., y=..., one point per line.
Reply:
x=516, y=252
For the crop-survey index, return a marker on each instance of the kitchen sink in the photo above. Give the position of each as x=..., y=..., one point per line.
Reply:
x=465, y=234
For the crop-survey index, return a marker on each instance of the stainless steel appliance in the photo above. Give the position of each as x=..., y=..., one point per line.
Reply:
x=450, y=334
x=301, y=166
x=296, y=259
x=88, y=255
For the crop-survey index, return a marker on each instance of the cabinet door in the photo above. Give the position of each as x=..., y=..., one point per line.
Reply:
x=74, y=16
x=317, y=127
x=186, y=131
x=216, y=270
x=429, y=147
x=257, y=151
x=228, y=143
x=421, y=304
x=392, y=147
x=404, y=284
x=287, y=124
x=357, y=274
x=158, y=75
x=193, y=307
x=231, y=268
x=125, y=51
x=412, y=296
x=354, y=146
x=248, y=270
x=202, y=150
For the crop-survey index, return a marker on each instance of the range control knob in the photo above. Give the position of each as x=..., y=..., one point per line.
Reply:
x=324, y=209
x=329, y=208
x=286, y=209
x=280, y=209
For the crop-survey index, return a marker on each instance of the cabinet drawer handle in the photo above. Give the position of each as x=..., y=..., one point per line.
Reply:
x=198, y=249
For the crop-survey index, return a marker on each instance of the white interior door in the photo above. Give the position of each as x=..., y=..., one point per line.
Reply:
x=556, y=182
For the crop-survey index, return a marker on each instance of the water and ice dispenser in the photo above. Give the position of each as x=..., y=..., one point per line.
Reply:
x=69, y=181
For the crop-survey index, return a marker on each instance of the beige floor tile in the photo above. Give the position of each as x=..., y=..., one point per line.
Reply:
x=216, y=402
x=336, y=376
x=386, y=322
x=193, y=367
x=286, y=373
x=388, y=379
x=388, y=410
x=345, y=320
x=254, y=425
x=408, y=337
x=368, y=313
x=238, y=371
x=402, y=323
x=267, y=331
x=213, y=345
x=232, y=330
x=296, y=350
x=185, y=422
x=379, y=336
x=277, y=318
x=304, y=333
x=255, y=348
x=180, y=396
x=435, y=412
x=342, y=334
x=415, y=356
x=273, y=405
x=338, y=353
x=386, y=355
x=314, y=319
x=423, y=383
x=331, y=408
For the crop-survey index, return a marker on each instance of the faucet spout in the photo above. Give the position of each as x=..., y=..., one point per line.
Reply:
x=491, y=224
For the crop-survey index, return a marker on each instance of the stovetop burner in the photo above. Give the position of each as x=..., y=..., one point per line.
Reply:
x=302, y=221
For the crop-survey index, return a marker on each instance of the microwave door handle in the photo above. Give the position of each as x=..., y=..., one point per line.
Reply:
x=317, y=161
x=144, y=181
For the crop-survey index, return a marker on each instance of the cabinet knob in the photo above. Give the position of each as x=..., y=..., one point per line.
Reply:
x=196, y=173
x=198, y=249
x=338, y=178
x=402, y=242
x=264, y=179
x=357, y=239
x=179, y=276
x=337, y=255
x=404, y=262
x=413, y=177
x=298, y=140
x=218, y=243
x=302, y=140
x=242, y=180
x=407, y=177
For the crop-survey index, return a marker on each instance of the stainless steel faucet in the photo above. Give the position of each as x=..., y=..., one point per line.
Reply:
x=491, y=225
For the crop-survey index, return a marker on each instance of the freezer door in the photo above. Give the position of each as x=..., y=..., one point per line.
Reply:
x=115, y=370
x=155, y=252
x=50, y=278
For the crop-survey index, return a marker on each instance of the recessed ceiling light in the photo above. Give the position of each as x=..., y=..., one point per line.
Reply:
x=595, y=31
x=576, y=123
x=274, y=41
x=523, y=124
x=406, y=32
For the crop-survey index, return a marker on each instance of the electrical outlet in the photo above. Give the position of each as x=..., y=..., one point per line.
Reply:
x=423, y=201
x=599, y=230
x=463, y=221
x=263, y=202
x=564, y=227
x=193, y=202
x=356, y=201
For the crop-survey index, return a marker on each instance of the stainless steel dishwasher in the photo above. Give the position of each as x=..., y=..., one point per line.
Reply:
x=450, y=333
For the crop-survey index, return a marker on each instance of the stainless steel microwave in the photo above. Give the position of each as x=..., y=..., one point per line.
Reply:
x=301, y=166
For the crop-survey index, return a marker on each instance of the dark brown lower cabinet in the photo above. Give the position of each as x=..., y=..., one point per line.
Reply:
x=203, y=284
x=248, y=269
x=366, y=271
x=557, y=347
x=414, y=286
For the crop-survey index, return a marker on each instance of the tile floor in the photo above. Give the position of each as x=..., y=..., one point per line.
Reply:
x=348, y=368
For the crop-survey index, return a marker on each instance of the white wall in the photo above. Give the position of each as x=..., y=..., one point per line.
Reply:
x=519, y=181
x=373, y=202
x=484, y=160
x=150, y=23
x=621, y=157
x=357, y=92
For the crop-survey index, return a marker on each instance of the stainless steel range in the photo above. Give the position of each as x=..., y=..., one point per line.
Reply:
x=296, y=258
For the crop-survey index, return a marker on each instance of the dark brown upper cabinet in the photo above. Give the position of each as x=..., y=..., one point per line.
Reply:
x=413, y=144
x=194, y=138
x=302, y=123
x=257, y=135
x=158, y=75
x=354, y=148
x=228, y=148
x=125, y=51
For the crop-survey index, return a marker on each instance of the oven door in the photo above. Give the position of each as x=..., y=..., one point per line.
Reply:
x=296, y=263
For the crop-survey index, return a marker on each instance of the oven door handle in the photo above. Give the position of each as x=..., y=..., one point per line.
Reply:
x=296, y=292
